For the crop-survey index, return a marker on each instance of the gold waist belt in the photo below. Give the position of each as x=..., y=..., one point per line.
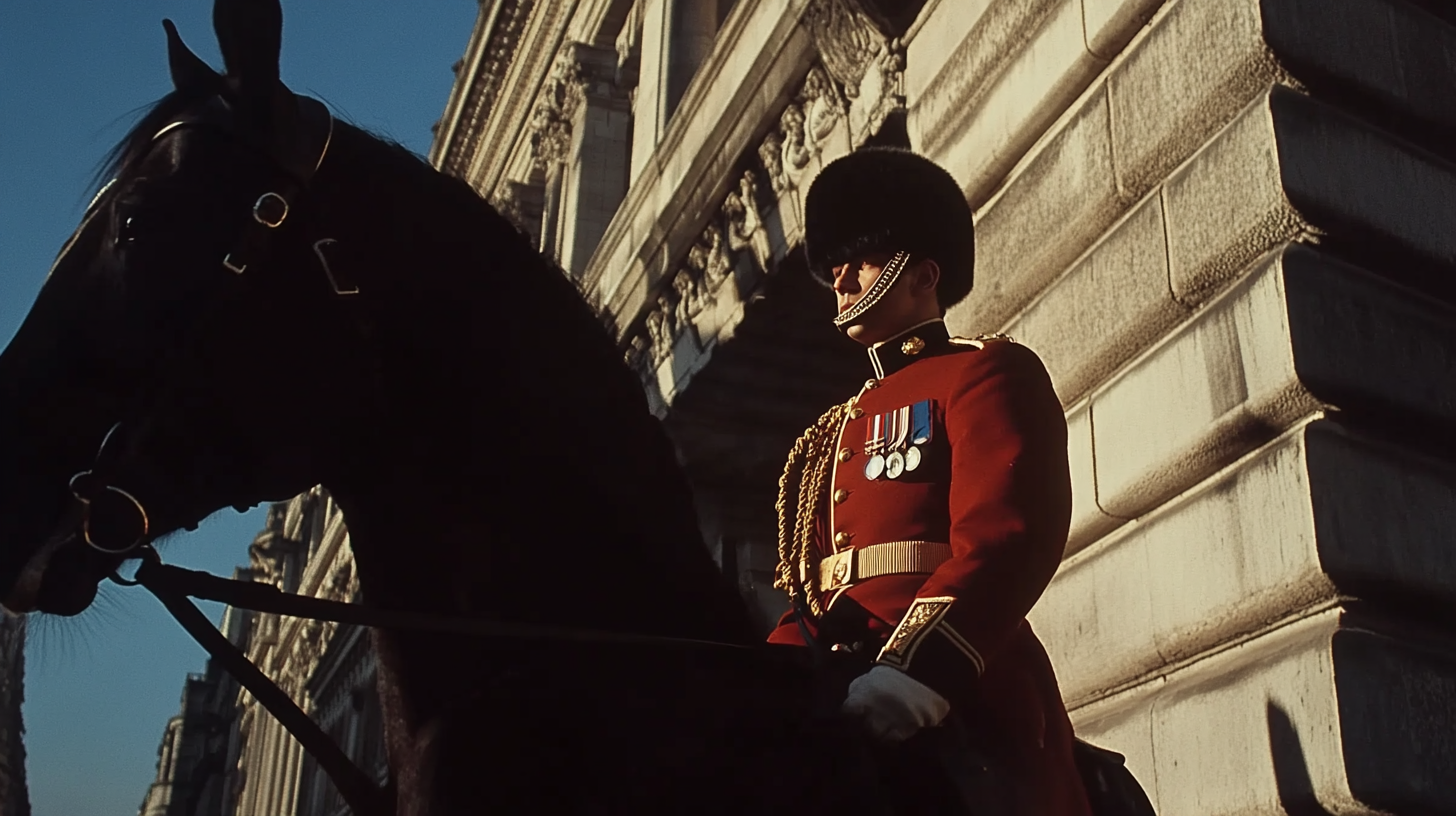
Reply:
x=892, y=558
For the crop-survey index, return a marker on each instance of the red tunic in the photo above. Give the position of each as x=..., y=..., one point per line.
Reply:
x=992, y=483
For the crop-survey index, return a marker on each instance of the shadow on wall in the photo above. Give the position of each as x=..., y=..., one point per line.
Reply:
x=1291, y=771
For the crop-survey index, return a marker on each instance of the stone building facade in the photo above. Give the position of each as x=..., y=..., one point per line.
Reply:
x=14, y=797
x=1225, y=225
x=194, y=777
x=224, y=754
x=328, y=669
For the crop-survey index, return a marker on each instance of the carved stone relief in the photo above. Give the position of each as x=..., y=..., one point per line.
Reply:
x=823, y=105
x=580, y=71
x=796, y=149
x=745, y=223
x=771, y=153
x=847, y=40
x=688, y=290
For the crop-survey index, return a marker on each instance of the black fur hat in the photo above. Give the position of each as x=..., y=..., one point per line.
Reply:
x=886, y=199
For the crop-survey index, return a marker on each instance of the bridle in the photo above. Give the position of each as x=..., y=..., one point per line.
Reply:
x=297, y=158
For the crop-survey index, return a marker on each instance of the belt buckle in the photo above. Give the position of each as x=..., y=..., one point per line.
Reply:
x=843, y=571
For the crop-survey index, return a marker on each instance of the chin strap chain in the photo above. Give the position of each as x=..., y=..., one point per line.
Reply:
x=886, y=279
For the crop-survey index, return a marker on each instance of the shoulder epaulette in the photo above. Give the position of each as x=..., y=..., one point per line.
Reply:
x=980, y=340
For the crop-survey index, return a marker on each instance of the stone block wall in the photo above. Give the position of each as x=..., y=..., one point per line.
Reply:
x=1227, y=227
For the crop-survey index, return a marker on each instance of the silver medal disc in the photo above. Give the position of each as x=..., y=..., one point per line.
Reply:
x=874, y=467
x=894, y=465
x=912, y=458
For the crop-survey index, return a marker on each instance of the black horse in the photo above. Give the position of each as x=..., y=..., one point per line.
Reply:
x=492, y=454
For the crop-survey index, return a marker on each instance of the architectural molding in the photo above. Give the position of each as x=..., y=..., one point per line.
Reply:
x=494, y=45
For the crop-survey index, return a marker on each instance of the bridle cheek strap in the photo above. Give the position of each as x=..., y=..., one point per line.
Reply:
x=299, y=153
x=299, y=159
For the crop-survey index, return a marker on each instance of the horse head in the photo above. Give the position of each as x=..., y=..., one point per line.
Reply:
x=129, y=405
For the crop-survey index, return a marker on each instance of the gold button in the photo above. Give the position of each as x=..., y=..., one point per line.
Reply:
x=912, y=347
x=872, y=383
x=841, y=539
x=840, y=495
x=856, y=412
x=845, y=454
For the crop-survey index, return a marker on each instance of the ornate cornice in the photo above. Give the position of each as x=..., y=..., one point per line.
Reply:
x=483, y=86
x=502, y=127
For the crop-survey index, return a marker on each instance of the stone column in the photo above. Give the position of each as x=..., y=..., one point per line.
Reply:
x=648, y=48
x=674, y=38
x=581, y=141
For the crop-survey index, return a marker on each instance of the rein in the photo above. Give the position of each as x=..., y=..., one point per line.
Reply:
x=174, y=586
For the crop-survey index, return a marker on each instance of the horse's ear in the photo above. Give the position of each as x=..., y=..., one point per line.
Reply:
x=190, y=75
x=250, y=34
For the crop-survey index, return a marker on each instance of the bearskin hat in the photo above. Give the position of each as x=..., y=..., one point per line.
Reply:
x=887, y=199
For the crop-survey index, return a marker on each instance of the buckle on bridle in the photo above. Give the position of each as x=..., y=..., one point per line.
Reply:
x=270, y=210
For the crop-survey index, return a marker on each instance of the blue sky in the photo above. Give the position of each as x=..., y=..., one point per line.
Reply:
x=73, y=74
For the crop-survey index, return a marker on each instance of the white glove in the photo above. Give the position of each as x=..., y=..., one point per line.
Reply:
x=892, y=704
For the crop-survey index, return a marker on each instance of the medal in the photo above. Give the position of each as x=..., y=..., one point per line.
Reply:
x=874, y=467
x=894, y=465
x=912, y=458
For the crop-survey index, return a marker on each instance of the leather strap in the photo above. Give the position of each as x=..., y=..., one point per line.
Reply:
x=890, y=558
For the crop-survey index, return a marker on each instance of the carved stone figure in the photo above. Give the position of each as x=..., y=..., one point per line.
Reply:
x=662, y=328
x=823, y=106
x=745, y=223
x=636, y=354
x=796, y=151
x=717, y=263
x=690, y=299
x=771, y=153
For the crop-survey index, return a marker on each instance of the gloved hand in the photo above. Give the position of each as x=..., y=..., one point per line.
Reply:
x=892, y=704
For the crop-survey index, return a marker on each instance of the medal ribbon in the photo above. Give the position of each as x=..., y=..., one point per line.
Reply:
x=899, y=428
x=875, y=435
x=921, y=428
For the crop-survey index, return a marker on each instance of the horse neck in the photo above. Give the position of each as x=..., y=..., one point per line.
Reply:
x=518, y=471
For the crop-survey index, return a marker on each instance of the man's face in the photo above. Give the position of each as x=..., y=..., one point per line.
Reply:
x=900, y=308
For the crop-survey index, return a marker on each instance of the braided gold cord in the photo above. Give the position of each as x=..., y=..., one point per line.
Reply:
x=803, y=491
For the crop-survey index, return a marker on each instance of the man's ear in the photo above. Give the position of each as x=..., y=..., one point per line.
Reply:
x=925, y=276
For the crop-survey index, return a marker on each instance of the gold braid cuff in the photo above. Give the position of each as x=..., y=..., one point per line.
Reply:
x=803, y=493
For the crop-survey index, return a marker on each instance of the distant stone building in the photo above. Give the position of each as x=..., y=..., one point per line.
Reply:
x=14, y=798
x=327, y=669
x=193, y=772
x=224, y=754
x=1225, y=225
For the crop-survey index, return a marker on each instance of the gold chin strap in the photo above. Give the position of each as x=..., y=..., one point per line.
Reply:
x=886, y=279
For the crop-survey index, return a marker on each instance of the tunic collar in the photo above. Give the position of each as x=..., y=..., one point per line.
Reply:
x=922, y=340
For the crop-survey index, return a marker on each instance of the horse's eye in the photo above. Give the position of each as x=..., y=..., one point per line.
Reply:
x=126, y=233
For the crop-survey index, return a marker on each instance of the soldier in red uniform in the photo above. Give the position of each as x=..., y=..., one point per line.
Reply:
x=938, y=499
